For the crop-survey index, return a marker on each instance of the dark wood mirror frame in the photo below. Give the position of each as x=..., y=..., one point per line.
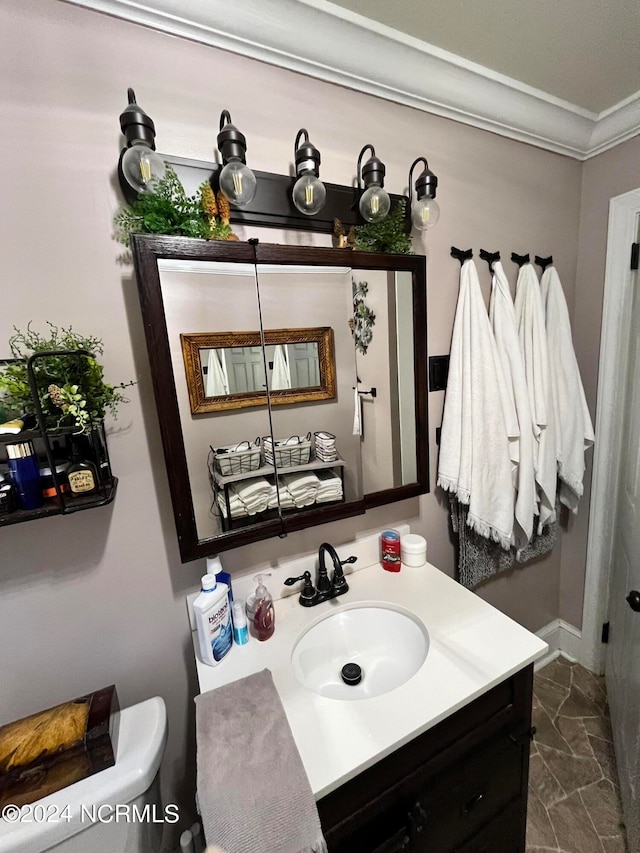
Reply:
x=147, y=251
x=200, y=403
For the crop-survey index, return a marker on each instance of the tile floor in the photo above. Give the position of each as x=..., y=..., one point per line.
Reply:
x=574, y=804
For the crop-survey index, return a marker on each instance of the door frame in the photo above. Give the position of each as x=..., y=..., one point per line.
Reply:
x=624, y=211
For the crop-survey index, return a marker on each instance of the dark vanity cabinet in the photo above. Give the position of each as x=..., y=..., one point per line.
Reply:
x=461, y=787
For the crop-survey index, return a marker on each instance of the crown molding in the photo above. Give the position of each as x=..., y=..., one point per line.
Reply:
x=406, y=70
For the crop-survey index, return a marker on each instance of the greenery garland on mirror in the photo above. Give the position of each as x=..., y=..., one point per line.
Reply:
x=389, y=235
x=169, y=210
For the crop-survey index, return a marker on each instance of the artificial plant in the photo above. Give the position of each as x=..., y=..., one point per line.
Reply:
x=71, y=389
x=169, y=210
x=389, y=235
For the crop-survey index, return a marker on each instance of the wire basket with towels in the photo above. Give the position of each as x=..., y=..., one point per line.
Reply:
x=238, y=458
x=287, y=452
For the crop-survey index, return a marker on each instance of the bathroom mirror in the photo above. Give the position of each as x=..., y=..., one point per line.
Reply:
x=363, y=442
x=230, y=370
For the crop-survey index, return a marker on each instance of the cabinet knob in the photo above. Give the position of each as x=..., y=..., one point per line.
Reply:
x=634, y=600
x=520, y=739
x=417, y=820
x=473, y=802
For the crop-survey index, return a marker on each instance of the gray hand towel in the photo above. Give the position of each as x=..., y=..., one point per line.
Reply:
x=480, y=559
x=253, y=792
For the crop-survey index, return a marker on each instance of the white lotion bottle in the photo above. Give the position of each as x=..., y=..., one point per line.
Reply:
x=213, y=620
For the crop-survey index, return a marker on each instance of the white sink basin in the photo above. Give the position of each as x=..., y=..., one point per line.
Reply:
x=388, y=643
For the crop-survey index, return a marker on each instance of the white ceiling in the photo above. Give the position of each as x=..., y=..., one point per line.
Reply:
x=559, y=74
x=586, y=52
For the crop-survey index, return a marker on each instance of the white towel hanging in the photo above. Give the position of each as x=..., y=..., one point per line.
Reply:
x=217, y=384
x=281, y=377
x=533, y=342
x=574, y=429
x=503, y=321
x=474, y=461
x=357, y=411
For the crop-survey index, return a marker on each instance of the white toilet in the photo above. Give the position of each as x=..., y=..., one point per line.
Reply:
x=133, y=781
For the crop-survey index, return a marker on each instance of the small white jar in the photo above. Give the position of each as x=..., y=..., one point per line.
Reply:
x=414, y=549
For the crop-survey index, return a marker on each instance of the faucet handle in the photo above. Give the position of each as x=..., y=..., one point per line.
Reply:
x=339, y=583
x=309, y=593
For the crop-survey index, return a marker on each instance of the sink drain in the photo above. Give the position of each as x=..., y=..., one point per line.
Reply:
x=351, y=674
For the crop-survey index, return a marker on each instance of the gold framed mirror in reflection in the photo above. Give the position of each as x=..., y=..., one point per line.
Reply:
x=226, y=370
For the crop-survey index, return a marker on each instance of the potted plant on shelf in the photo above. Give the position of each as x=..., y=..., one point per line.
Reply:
x=71, y=388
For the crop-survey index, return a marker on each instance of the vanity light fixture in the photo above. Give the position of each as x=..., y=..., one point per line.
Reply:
x=139, y=164
x=309, y=193
x=374, y=201
x=237, y=181
x=425, y=210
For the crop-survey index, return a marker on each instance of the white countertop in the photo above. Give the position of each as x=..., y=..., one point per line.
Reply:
x=472, y=647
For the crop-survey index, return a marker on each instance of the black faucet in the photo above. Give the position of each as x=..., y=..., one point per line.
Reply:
x=325, y=588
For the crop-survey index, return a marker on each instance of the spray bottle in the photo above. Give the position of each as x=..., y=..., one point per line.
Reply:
x=265, y=615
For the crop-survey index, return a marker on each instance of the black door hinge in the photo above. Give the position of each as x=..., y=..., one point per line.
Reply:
x=605, y=632
x=635, y=255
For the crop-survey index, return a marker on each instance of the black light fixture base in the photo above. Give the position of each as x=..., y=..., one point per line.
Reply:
x=272, y=206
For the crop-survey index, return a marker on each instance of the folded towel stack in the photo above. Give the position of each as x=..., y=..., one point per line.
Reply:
x=330, y=488
x=238, y=509
x=325, y=443
x=302, y=487
x=253, y=493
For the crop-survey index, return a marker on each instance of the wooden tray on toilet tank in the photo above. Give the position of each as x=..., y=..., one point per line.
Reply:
x=47, y=751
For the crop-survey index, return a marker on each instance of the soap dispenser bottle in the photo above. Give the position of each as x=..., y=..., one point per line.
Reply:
x=265, y=614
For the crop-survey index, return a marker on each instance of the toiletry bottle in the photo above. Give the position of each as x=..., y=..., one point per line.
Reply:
x=213, y=620
x=390, y=550
x=25, y=474
x=214, y=567
x=240, y=628
x=265, y=615
x=81, y=474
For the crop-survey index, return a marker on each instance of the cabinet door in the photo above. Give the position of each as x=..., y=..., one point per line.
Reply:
x=504, y=834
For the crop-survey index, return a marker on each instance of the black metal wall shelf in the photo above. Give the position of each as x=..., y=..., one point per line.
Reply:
x=63, y=502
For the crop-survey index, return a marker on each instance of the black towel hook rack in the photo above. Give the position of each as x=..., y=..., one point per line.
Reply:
x=521, y=260
x=461, y=255
x=544, y=262
x=490, y=258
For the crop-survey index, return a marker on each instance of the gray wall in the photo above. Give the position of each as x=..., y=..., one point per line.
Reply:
x=99, y=597
x=604, y=177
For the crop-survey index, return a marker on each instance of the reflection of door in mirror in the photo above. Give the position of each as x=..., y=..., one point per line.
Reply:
x=239, y=370
x=387, y=364
x=201, y=296
x=316, y=296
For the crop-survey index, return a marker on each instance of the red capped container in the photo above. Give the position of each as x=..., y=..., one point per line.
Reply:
x=390, y=557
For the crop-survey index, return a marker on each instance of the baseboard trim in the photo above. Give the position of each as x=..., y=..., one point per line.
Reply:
x=563, y=639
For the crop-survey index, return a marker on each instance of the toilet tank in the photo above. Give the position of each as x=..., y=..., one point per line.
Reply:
x=117, y=810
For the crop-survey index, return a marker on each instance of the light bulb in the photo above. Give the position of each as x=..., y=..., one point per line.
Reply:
x=309, y=194
x=142, y=168
x=425, y=213
x=238, y=183
x=374, y=204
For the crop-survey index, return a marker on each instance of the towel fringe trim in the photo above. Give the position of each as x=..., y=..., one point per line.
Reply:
x=574, y=483
x=451, y=485
x=482, y=528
